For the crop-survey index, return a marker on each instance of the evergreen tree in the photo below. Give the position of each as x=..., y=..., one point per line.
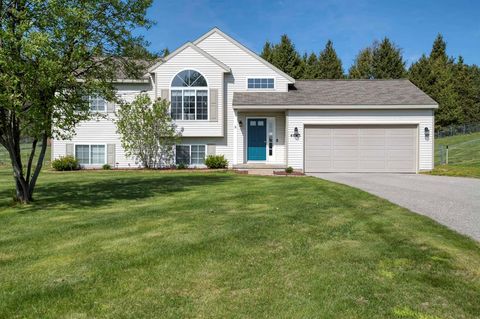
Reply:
x=439, y=49
x=435, y=76
x=311, y=66
x=467, y=89
x=362, y=66
x=286, y=58
x=387, y=61
x=165, y=52
x=267, y=52
x=329, y=65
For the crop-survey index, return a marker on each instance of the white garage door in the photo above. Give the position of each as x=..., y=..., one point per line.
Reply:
x=361, y=148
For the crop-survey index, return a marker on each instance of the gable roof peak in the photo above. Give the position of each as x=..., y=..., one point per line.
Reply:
x=191, y=45
x=244, y=48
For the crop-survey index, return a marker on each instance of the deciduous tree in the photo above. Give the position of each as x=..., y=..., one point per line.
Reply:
x=147, y=131
x=52, y=55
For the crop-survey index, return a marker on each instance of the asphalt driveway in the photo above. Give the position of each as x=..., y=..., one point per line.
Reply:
x=452, y=201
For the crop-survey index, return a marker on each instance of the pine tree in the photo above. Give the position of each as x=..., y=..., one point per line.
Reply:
x=387, y=61
x=267, y=52
x=435, y=76
x=165, y=52
x=286, y=58
x=311, y=66
x=362, y=66
x=467, y=90
x=439, y=49
x=329, y=65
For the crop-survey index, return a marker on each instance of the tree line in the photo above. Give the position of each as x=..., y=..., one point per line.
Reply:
x=451, y=82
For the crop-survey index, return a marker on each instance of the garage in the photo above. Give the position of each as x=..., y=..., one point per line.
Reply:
x=361, y=148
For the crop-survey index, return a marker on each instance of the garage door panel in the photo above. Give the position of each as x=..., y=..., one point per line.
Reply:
x=361, y=148
x=345, y=153
x=371, y=164
x=371, y=140
x=371, y=153
x=345, y=164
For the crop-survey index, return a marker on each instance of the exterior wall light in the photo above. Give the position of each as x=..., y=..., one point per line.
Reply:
x=240, y=123
x=427, y=132
x=295, y=134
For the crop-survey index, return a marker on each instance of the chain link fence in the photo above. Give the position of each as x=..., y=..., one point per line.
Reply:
x=458, y=145
x=453, y=130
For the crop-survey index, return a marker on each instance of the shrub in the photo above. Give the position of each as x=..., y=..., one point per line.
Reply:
x=65, y=163
x=106, y=166
x=289, y=170
x=182, y=166
x=216, y=161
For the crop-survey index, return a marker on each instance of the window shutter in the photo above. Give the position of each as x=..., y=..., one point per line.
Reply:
x=69, y=149
x=164, y=94
x=111, y=154
x=213, y=105
x=110, y=107
x=211, y=149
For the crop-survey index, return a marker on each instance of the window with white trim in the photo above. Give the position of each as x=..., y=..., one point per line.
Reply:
x=190, y=154
x=90, y=154
x=189, y=96
x=261, y=83
x=97, y=103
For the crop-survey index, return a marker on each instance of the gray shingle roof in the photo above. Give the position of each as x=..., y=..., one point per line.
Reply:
x=340, y=92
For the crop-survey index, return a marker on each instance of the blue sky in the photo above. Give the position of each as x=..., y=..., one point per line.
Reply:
x=351, y=25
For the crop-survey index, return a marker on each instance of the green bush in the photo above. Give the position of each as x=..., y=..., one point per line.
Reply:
x=289, y=170
x=216, y=161
x=182, y=166
x=106, y=166
x=65, y=163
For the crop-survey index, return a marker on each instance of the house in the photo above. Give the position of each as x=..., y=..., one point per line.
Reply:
x=230, y=101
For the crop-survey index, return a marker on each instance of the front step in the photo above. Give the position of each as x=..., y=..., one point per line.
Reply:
x=265, y=170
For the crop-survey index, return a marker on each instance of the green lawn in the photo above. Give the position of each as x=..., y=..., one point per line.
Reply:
x=464, y=155
x=144, y=244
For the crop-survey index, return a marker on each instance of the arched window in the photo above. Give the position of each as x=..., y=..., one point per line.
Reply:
x=189, y=92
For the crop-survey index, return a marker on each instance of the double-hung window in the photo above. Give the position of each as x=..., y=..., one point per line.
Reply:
x=189, y=96
x=190, y=154
x=261, y=83
x=97, y=103
x=90, y=154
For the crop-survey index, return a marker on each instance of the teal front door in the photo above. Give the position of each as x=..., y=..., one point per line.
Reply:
x=257, y=139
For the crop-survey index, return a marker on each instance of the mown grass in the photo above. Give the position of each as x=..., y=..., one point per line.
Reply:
x=146, y=244
x=463, y=156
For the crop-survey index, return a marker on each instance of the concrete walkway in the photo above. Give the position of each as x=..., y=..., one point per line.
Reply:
x=452, y=201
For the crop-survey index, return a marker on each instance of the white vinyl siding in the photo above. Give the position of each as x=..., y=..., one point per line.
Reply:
x=197, y=125
x=103, y=130
x=243, y=66
x=301, y=118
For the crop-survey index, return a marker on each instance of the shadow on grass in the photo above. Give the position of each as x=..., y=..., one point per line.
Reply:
x=97, y=192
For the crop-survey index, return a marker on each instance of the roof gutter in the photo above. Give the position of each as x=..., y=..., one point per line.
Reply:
x=333, y=107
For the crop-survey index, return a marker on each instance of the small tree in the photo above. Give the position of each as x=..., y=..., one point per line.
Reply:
x=362, y=66
x=147, y=131
x=329, y=64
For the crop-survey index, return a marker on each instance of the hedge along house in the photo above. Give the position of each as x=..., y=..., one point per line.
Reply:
x=230, y=101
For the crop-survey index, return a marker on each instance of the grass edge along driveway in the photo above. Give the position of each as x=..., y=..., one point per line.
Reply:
x=142, y=244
